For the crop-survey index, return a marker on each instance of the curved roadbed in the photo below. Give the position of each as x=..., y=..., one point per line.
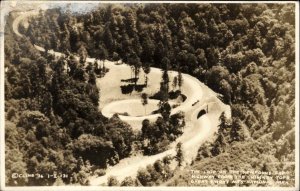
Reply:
x=195, y=133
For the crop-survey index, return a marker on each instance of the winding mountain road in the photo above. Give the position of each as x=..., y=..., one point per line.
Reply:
x=195, y=133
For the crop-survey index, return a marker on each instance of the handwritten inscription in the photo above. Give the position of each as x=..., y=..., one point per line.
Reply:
x=235, y=177
x=38, y=175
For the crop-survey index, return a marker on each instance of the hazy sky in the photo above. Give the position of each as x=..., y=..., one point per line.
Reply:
x=7, y=6
x=76, y=7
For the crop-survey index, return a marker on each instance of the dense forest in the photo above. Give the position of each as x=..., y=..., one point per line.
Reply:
x=244, y=52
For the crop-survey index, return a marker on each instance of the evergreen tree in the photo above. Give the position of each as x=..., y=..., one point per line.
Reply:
x=175, y=82
x=179, y=154
x=144, y=100
x=180, y=80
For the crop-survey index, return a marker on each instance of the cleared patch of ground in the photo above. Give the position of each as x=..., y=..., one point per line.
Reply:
x=132, y=107
x=111, y=92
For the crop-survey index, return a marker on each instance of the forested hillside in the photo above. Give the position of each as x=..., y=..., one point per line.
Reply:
x=245, y=52
x=52, y=118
